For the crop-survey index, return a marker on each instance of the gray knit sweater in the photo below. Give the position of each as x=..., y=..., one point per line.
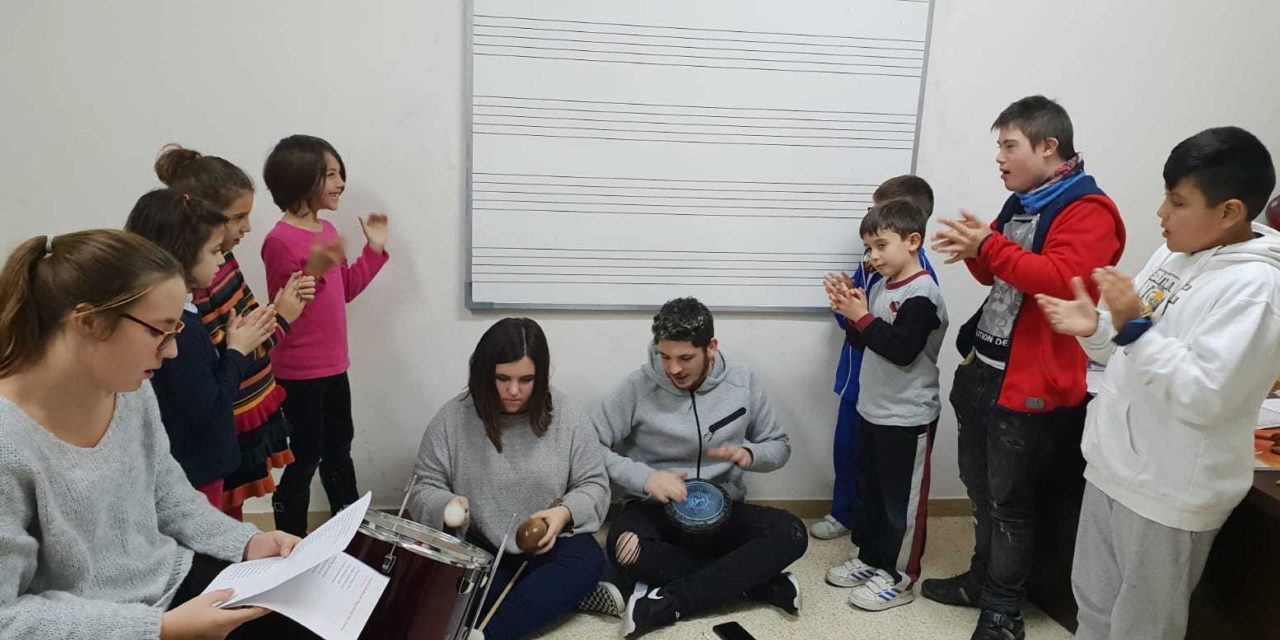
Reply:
x=457, y=459
x=95, y=541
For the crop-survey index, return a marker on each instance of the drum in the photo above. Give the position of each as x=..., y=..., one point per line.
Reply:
x=434, y=579
x=705, y=508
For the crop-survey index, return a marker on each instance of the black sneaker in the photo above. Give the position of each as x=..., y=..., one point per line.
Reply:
x=957, y=591
x=605, y=598
x=781, y=591
x=999, y=626
x=647, y=610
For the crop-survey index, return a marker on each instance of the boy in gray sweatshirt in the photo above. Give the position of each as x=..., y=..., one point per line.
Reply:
x=688, y=413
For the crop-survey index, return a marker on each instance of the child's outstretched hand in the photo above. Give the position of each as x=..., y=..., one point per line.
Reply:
x=1075, y=317
x=375, y=231
x=962, y=238
x=325, y=256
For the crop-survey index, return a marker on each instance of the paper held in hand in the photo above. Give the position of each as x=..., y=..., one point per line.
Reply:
x=318, y=586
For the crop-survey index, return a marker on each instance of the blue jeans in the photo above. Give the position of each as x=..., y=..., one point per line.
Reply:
x=550, y=587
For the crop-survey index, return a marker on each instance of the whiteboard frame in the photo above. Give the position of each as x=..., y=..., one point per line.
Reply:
x=468, y=19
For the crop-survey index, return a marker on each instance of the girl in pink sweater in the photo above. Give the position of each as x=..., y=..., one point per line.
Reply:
x=305, y=176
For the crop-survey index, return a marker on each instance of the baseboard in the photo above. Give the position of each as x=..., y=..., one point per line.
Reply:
x=807, y=509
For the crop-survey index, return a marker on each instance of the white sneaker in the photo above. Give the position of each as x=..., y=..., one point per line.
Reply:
x=828, y=528
x=880, y=593
x=850, y=574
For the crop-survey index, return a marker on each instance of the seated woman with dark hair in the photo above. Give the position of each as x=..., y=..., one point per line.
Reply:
x=511, y=445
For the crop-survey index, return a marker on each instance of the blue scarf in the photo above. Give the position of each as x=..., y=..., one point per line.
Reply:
x=1035, y=200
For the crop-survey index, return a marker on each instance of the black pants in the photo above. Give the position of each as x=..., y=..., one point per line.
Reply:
x=1003, y=456
x=702, y=573
x=272, y=626
x=892, y=476
x=320, y=412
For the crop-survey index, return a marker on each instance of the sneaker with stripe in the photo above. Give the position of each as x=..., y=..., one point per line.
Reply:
x=880, y=593
x=850, y=574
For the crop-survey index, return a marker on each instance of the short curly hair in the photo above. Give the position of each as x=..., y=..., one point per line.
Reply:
x=684, y=320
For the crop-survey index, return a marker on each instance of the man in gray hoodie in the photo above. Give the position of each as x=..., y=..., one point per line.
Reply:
x=685, y=414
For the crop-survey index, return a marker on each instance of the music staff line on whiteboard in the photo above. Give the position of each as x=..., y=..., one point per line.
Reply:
x=679, y=260
x=672, y=213
x=697, y=253
x=667, y=36
x=728, y=134
x=693, y=106
x=678, y=141
x=676, y=28
x=478, y=105
x=658, y=197
x=700, y=205
x=878, y=56
x=567, y=184
x=682, y=124
x=696, y=66
x=816, y=270
x=613, y=283
x=678, y=60
x=694, y=180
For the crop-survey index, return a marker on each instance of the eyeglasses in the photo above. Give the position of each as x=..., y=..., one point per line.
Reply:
x=166, y=337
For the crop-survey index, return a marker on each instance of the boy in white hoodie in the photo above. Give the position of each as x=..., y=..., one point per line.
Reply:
x=1191, y=353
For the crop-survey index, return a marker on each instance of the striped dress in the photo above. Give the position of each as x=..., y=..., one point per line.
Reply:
x=260, y=424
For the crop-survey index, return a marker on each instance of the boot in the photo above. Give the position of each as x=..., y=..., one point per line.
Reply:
x=291, y=512
x=340, y=487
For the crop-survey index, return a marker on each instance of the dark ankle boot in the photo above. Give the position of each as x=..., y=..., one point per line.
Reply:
x=291, y=512
x=340, y=487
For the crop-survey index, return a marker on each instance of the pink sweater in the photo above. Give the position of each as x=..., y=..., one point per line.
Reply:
x=316, y=347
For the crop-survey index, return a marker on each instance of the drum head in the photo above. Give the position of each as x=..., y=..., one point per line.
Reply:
x=424, y=540
x=705, y=509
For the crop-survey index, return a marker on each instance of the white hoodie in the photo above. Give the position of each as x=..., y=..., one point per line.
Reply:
x=1170, y=433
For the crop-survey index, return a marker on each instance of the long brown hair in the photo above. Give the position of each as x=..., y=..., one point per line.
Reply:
x=48, y=277
x=510, y=340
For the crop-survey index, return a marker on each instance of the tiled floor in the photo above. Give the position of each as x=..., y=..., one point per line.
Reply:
x=825, y=613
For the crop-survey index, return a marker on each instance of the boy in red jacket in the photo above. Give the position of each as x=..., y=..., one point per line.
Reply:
x=1020, y=383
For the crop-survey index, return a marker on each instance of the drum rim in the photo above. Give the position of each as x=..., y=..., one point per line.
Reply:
x=702, y=521
x=376, y=523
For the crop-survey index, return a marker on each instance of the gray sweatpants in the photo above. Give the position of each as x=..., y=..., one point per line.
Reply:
x=1133, y=577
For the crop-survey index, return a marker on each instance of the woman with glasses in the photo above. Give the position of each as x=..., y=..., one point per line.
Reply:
x=198, y=388
x=100, y=534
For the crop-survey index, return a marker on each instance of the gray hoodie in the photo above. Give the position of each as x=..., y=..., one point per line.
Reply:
x=648, y=424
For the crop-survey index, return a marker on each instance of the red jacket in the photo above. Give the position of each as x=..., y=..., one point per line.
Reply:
x=1046, y=370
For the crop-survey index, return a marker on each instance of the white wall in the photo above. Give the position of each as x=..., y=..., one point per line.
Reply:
x=90, y=91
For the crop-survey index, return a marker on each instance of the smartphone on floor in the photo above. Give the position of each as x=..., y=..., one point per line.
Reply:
x=731, y=631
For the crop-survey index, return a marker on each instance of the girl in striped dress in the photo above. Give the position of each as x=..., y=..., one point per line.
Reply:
x=260, y=423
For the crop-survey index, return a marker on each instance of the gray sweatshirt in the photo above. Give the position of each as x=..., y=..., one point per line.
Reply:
x=95, y=541
x=648, y=424
x=457, y=459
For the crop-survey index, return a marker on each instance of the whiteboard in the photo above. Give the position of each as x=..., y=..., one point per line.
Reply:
x=626, y=153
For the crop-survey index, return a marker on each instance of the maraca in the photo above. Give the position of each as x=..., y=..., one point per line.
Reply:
x=530, y=534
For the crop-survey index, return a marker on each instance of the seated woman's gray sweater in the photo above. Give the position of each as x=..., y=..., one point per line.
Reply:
x=457, y=459
x=94, y=542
